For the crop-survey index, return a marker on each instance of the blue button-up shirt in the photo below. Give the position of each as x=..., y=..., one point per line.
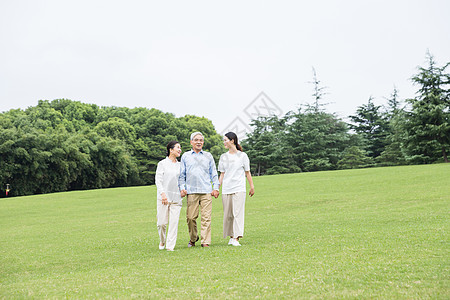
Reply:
x=197, y=173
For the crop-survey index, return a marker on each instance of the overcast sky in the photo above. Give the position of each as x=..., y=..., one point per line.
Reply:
x=212, y=58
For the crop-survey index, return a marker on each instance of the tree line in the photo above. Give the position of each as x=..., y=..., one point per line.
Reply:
x=414, y=131
x=63, y=145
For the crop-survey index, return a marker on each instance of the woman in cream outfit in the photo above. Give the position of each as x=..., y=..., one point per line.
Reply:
x=169, y=200
x=234, y=166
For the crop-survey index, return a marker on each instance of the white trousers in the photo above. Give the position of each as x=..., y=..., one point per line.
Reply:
x=168, y=215
x=233, y=214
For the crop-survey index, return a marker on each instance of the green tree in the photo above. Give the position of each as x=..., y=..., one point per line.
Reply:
x=371, y=126
x=427, y=122
x=318, y=93
x=266, y=147
x=314, y=137
x=64, y=145
x=317, y=139
x=393, y=153
x=76, y=114
x=355, y=158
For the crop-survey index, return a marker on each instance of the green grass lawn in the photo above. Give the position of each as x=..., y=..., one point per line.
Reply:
x=369, y=233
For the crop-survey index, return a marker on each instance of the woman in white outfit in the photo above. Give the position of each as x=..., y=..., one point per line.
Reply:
x=234, y=166
x=169, y=199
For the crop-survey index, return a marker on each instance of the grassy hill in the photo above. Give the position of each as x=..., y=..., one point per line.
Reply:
x=368, y=233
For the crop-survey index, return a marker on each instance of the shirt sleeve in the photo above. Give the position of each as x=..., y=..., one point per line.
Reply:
x=246, y=162
x=213, y=173
x=221, y=166
x=182, y=177
x=159, y=178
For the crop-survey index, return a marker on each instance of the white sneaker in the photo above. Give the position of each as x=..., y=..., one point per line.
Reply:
x=230, y=242
x=161, y=247
x=235, y=243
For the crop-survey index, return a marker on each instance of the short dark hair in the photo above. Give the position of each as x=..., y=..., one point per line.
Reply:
x=171, y=145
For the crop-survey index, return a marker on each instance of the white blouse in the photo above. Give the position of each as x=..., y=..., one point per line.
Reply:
x=167, y=173
x=234, y=166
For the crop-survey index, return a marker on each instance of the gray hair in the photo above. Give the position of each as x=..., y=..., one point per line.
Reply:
x=196, y=133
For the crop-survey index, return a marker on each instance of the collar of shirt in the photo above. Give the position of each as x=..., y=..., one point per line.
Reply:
x=192, y=151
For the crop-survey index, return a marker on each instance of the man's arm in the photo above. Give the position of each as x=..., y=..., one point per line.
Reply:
x=214, y=177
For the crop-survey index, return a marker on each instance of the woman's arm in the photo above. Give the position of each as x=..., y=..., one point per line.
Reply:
x=221, y=178
x=250, y=181
x=159, y=182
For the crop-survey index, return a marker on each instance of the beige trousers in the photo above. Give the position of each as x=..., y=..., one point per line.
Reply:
x=205, y=203
x=233, y=214
x=168, y=214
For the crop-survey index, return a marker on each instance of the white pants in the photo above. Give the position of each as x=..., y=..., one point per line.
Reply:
x=233, y=214
x=168, y=214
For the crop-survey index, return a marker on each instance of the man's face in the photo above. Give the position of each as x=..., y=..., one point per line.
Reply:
x=197, y=143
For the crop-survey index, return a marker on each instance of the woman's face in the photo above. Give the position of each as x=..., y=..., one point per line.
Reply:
x=176, y=150
x=227, y=142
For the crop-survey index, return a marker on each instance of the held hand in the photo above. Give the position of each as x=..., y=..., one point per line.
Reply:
x=183, y=193
x=252, y=191
x=215, y=193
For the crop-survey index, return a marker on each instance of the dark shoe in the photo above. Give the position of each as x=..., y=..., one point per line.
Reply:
x=205, y=245
x=192, y=244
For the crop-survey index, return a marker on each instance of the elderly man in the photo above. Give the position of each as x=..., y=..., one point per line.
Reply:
x=199, y=181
